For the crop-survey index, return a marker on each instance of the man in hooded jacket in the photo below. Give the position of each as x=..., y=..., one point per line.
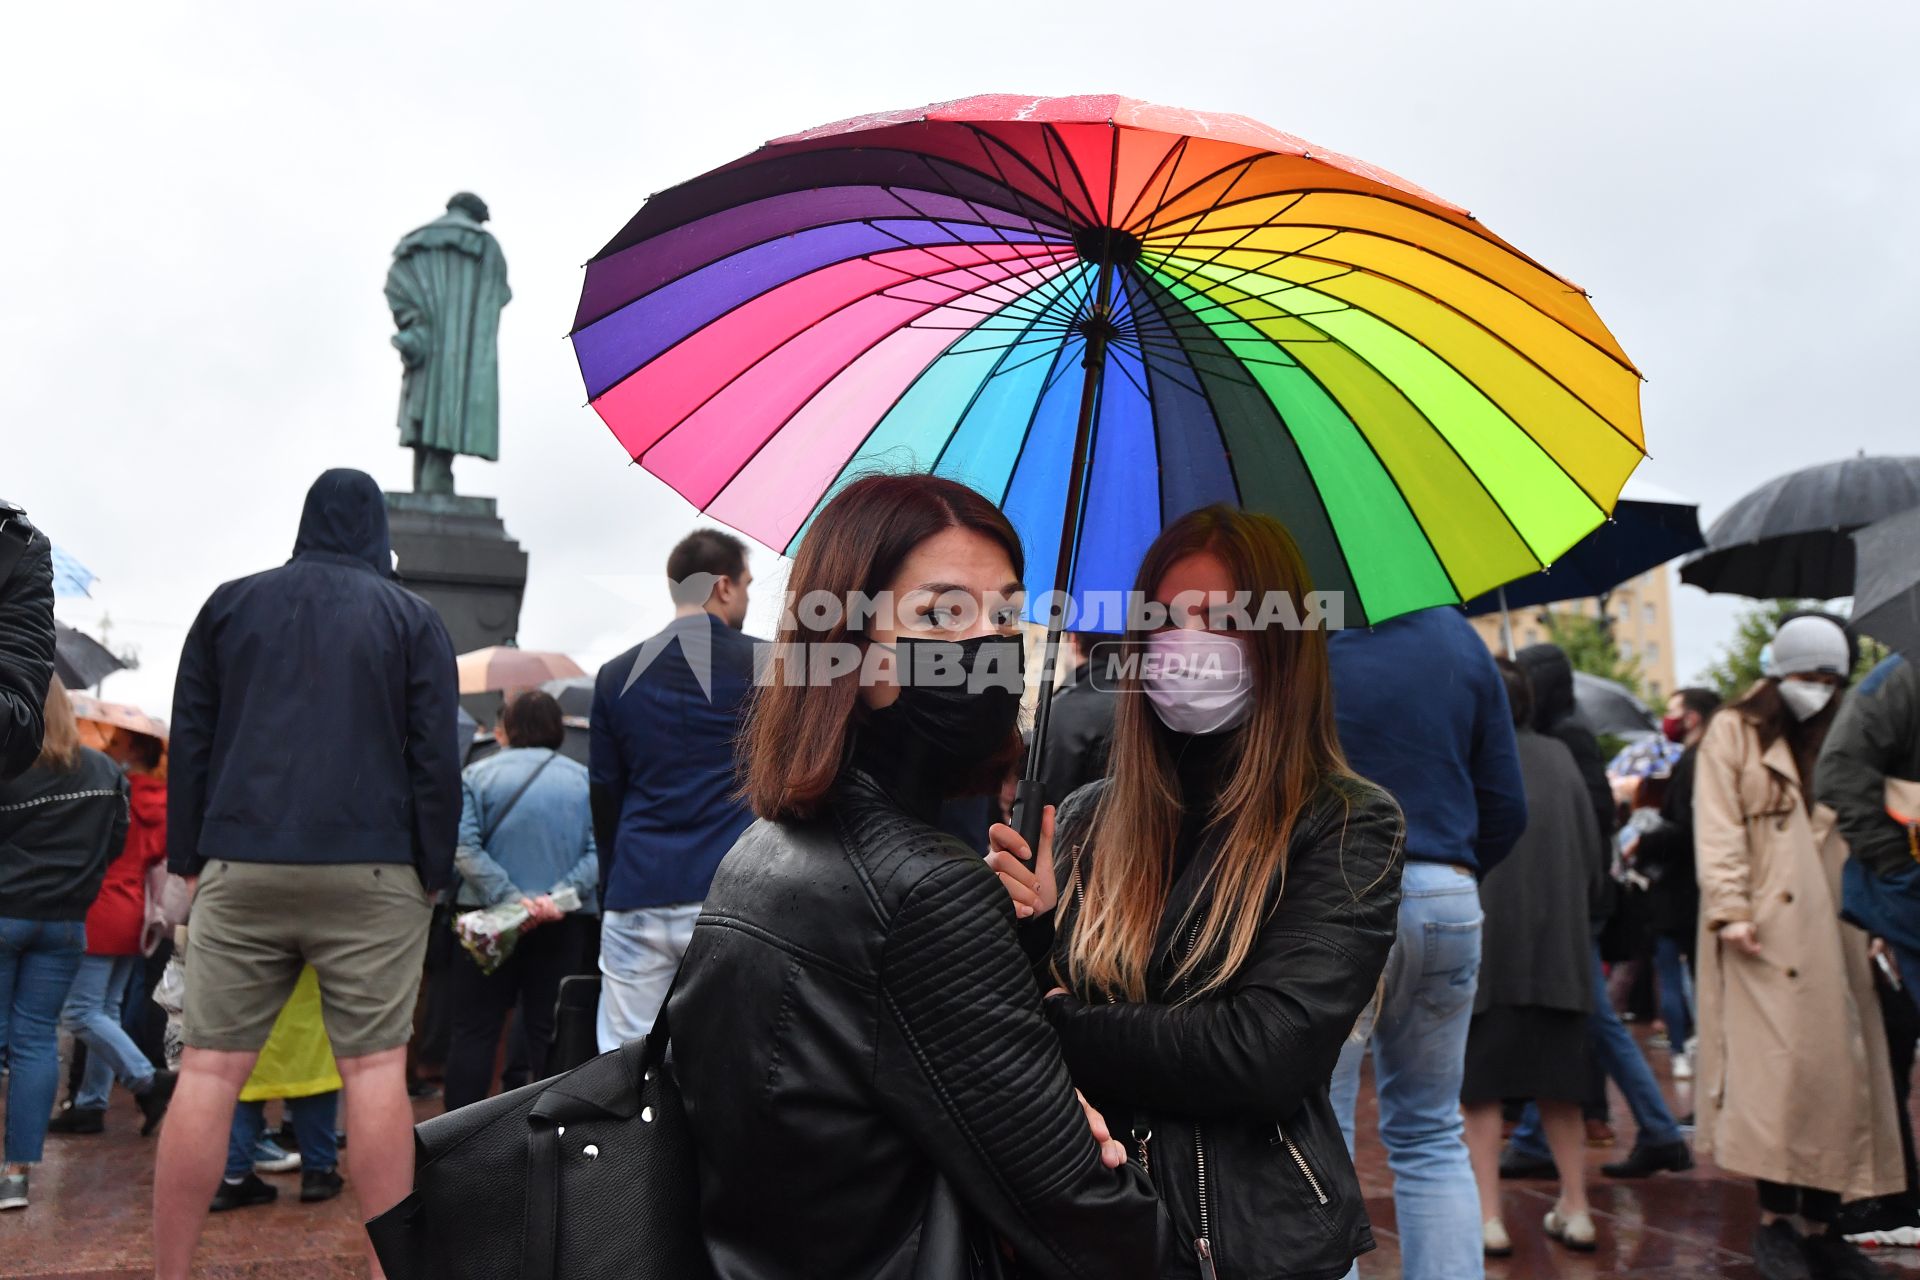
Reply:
x=314, y=791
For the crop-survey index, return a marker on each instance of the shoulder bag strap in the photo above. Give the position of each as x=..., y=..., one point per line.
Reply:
x=514, y=799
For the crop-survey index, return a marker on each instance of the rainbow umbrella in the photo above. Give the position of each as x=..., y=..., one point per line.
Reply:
x=1104, y=314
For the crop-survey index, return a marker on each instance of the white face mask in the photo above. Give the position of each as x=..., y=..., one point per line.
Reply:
x=1805, y=698
x=1198, y=681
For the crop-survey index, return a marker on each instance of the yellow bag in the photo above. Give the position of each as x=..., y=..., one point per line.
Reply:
x=297, y=1061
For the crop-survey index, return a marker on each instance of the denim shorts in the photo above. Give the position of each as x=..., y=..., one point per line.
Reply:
x=362, y=926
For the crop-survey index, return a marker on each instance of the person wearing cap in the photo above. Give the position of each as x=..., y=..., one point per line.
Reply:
x=1793, y=1085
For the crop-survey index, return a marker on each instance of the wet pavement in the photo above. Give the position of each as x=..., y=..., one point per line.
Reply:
x=89, y=1219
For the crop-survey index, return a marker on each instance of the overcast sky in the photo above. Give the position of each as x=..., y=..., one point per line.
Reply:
x=201, y=201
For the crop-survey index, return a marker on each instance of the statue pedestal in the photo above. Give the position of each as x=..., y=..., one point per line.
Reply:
x=455, y=552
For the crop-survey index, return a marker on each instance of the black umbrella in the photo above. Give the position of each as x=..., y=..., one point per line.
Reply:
x=1790, y=537
x=574, y=694
x=1611, y=708
x=81, y=661
x=1886, y=592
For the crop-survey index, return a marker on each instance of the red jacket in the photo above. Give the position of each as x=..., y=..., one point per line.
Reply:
x=115, y=920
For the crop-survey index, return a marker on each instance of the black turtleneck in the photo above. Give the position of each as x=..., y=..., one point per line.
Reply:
x=905, y=767
x=1201, y=762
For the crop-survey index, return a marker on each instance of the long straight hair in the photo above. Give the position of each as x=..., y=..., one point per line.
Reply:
x=60, y=747
x=798, y=735
x=1288, y=749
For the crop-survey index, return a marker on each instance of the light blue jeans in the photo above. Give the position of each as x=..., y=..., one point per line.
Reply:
x=1419, y=1043
x=1614, y=1050
x=640, y=952
x=37, y=960
x=92, y=1014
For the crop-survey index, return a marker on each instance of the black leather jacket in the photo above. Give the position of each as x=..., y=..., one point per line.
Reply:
x=1229, y=1092
x=872, y=1087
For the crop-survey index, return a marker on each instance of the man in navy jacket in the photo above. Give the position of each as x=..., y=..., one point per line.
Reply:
x=1423, y=712
x=314, y=791
x=665, y=717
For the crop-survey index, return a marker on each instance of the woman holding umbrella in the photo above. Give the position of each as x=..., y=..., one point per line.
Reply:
x=854, y=1014
x=1223, y=912
x=1793, y=1084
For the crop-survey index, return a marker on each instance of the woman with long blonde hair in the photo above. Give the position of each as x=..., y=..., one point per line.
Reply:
x=1221, y=906
x=61, y=822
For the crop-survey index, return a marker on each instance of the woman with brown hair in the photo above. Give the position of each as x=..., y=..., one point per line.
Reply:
x=61, y=822
x=871, y=1086
x=1793, y=1084
x=1223, y=909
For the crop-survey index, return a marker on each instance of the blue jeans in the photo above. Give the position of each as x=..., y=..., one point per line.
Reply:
x=1613, y=1048
x=313, y=1120
x=1419, y=1044
x=1676, y=991
x=92, y=1014
x=37, y=962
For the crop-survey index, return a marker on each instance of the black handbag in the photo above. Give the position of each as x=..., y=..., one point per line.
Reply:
x=586, y=1175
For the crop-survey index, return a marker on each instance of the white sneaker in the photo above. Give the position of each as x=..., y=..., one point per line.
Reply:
x=1682, y=1067
x=270, y=1157
x=13, y=1191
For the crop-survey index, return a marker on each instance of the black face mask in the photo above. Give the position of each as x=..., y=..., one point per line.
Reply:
x=959, y=700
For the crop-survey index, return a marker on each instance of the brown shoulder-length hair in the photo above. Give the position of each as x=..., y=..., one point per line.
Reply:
x=60, y=747
x=1288, y=749
x=798, y=732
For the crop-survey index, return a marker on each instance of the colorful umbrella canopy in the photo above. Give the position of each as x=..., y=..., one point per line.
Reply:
x=502, y=667
x=119, y=715
x=1431, y=412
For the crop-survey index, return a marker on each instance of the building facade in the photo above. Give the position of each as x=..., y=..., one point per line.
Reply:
x=1641, y=612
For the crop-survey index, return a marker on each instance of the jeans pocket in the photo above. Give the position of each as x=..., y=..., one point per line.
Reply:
x=1449, y=964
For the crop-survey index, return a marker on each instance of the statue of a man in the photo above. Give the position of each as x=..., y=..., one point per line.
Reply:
x=446, y=287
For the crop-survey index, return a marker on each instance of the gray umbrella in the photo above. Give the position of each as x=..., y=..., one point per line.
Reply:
x=1610, y=708
x=1886, y=593
x=1789, y=536
x=573, y=693
x=81, y=661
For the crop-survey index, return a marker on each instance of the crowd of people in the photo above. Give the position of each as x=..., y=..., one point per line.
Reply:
x=909, y=1040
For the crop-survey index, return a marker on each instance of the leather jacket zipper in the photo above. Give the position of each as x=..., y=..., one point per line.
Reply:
x=1306, y=1170
x=1202, y=1247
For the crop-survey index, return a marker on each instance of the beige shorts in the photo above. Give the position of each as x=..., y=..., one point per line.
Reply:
x=362, y=926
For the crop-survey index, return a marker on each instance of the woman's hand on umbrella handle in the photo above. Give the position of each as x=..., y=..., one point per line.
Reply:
x=1743, y=935
x=1034, y=890
x=1112, y=1154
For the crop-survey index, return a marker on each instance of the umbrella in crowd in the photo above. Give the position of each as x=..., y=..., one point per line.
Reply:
x=70, y=577
x=1104, y=314
x=575, y=696
x=498, y=668
x=1649, y=527
x=117, y=715
x=1647, y=758
x=79, y=660
x=1790, y=537
x=1886, y=593
x=1611, y=708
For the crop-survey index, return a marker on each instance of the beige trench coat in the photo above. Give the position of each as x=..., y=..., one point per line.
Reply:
x=1793, y=1084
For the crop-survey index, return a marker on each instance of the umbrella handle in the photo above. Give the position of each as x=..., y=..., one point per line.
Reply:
x=1029, y=811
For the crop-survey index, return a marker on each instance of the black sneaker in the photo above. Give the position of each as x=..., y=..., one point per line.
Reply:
x=1779, y=1252
x=1647, y=1159
x=1514, y=1164
x=319, y=1184
x=244, y=1194
x=1830, y=1257
x=79, y=1120
x=153, y=1103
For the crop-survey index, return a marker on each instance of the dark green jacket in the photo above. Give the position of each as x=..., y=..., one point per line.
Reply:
x=1876, y=736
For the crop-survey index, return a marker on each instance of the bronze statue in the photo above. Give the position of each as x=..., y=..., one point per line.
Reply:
x=446, y=287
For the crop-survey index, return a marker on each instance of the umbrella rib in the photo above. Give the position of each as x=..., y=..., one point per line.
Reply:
x=1560, y=281
x=755, y=363
x=1169, y=162
x=1026, y=435
x=798, y=409
x=988, y=145
x=867, y=436
x=993, y=373
x=1344, y=305
x=1049, y=131
x=958, y=266
x=1441, y=436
